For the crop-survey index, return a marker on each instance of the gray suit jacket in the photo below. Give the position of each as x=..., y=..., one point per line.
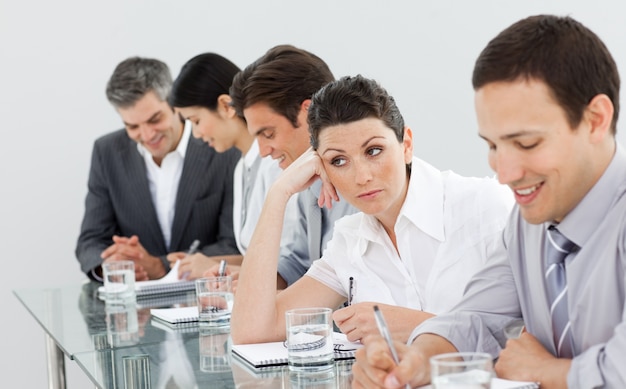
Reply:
x=119, y=203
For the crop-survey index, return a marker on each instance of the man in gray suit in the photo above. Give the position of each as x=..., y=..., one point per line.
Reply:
x=153, y=188
x=273, y=94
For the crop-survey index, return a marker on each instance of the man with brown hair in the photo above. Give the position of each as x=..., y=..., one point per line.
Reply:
x=273, y=95
x=547, y=103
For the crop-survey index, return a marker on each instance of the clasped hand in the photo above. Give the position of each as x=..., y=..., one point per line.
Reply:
x=124, y=248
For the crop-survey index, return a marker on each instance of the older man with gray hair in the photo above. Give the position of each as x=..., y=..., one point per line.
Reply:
x=153, y=188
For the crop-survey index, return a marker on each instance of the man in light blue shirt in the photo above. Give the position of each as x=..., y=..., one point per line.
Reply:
x=547, y=103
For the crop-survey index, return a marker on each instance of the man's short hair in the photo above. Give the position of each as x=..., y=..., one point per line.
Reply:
x=351, y=99
x=282, y=78
x=134, y=77
x=568, y=57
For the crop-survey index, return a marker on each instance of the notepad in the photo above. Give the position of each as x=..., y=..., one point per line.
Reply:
x=163, y=300
x=176, y=315
x=183, y=327
x=164, y=285
x=499, y=383
x=244, y=372
x=275, y=353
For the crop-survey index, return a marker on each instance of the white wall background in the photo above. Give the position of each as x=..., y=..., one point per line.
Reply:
x=56, y=56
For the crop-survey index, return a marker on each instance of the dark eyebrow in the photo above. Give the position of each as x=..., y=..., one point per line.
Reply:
x=154, y=115
x=513, y=135
x=262, y=129
x=362, y=146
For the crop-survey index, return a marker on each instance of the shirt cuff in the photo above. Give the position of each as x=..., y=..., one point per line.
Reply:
x=95, y=275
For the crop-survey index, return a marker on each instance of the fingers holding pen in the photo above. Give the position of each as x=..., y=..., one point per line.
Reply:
x=376, y=368
x=176, y=256
x=373, y=364
x=356, y=321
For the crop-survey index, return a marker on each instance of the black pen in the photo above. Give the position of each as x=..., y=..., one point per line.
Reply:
x=222, y=271
x=350, y=291
x=384, y=331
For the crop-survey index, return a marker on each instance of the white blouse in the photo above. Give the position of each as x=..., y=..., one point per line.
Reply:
x=446, y=231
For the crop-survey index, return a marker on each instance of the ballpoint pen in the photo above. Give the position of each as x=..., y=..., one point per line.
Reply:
x=194, y=247
x=384, y=331
x=350, y=291
x=192, y=250
x=222, y=270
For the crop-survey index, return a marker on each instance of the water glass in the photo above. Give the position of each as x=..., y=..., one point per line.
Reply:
x=309, y=339
x=122, y=323
x=215, y=346
x=119, y=280
x=215, y=301
x=469, y=370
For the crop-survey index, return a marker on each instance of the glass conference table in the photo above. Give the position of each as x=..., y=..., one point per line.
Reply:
x=122, y=346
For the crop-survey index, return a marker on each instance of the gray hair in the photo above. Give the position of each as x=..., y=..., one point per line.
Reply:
x=134, y=77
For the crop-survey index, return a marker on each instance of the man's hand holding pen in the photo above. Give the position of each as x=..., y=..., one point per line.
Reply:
x=375, y=365
x=383, y=358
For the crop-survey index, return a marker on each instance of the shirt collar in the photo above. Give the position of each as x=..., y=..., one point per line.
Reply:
x=424, y=201
x=251, y=155
x=423, y=206
x=583, y=220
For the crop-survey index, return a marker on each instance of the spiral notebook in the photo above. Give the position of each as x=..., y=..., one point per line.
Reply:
x=183, y=327
x=176, y=315
x=166, y=300
x=275, y=353
x=169, y=283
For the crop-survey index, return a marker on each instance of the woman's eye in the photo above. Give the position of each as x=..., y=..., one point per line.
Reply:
x=374, y=151
x=338, y=162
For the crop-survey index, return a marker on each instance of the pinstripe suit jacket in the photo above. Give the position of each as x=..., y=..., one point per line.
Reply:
x=119, y=203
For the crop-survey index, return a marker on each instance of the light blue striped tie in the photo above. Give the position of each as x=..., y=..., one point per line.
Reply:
x=557, y=247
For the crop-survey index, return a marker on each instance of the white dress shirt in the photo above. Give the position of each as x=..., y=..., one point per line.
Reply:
x=446, y=230
x=164, y=180
x=260, y=181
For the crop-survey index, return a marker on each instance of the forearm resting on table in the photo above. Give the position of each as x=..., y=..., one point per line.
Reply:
x=254, y=315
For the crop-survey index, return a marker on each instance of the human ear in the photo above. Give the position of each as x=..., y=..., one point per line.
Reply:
x=599, y=115
x=303, y=113
x=407, y=143
x=224, y=107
